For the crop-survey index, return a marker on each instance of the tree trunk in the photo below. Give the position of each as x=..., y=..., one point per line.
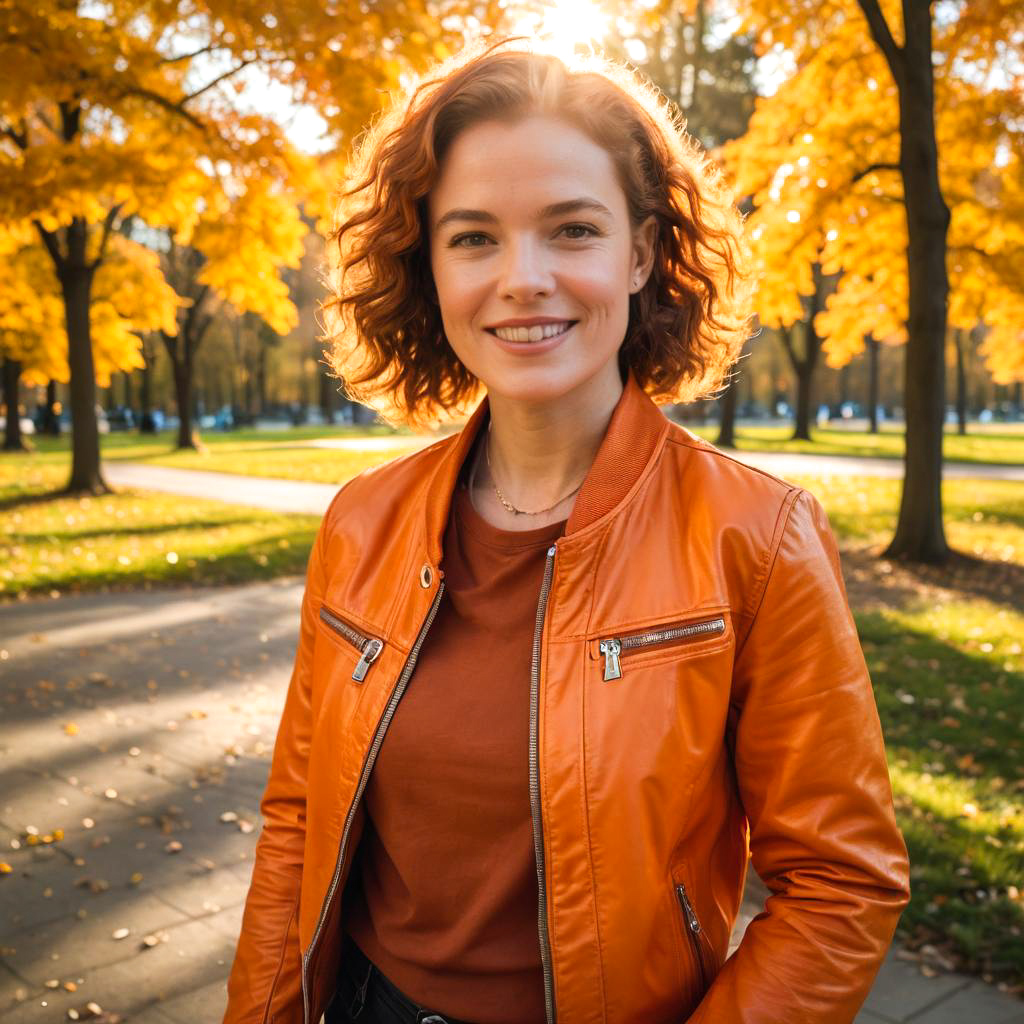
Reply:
x=805, y=364
x=727, y=428
x=76, y=278
x=802, y=424
x=13, y=441
x=261, y=378
x=961, y=382
x=326, y=398
x=872, y=344
x=51, y=419
x=147, y=425
x=920, y=536
x=183, y=396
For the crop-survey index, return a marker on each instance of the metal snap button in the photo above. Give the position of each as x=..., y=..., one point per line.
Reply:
x=426, y=576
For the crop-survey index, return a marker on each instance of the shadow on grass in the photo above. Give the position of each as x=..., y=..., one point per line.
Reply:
x=953, y=718
x=239, y=563
x=999, y=582
x=185, y=526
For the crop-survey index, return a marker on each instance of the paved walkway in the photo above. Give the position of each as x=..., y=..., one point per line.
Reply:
x=141, y=725
x=298, y=496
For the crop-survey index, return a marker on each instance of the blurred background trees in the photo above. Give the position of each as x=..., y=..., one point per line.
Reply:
x=166, y=172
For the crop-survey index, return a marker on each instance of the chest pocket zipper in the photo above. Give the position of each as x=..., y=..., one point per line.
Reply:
x=369, y=647
x=612, y=648
x=693, y=931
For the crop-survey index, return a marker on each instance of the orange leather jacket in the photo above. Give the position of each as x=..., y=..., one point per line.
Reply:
x=697, y=690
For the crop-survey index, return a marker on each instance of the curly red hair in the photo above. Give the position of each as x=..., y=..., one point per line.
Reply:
x=382, y=321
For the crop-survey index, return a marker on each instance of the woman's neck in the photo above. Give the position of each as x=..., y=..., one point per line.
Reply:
x=539, y=453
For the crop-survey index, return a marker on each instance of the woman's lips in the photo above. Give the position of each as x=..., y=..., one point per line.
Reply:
x=533, y=347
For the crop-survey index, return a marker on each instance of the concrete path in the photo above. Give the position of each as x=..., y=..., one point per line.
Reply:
x=141, y=725
x=258, y=491
x=297, y=496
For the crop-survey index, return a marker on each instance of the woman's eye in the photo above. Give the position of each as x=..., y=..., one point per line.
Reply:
x=584, y=228
x=459, y=239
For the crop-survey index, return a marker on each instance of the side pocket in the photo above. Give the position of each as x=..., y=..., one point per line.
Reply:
x=696, y=940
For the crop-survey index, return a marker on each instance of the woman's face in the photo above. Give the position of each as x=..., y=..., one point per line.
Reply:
x=529, y=237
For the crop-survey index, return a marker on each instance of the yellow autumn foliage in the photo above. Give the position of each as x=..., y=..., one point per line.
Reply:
x=820, y=161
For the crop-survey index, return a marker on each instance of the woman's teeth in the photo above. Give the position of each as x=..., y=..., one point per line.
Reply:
x=537, y=333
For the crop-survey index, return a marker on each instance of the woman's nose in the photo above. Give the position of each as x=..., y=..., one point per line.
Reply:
x=525, y=271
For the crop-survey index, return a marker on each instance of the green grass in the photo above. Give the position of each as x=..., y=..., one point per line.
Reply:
x=949, y=681
x=984, y=518
x=283, y=461
x=1001, y=444
x=135, y=539
x=278, y=454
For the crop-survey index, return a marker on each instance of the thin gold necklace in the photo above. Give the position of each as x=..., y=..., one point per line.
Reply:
x=501, y=497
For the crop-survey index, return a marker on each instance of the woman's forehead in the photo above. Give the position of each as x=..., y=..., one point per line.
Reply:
x=525, y=169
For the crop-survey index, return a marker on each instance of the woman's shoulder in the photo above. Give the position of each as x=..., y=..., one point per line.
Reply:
x=733, y=488
x=378, y=490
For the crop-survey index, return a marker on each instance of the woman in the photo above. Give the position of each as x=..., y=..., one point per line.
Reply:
x=558, y=673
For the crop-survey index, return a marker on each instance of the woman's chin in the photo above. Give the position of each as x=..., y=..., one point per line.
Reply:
x=545, y=383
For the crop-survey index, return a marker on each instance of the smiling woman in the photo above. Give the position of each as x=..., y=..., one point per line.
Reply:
x=531, y=137
x=560, y=671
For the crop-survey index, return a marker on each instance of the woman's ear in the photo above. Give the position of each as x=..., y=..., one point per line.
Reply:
x=645, y=242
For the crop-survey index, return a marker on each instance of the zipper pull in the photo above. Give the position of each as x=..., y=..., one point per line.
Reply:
x=369, y=656
x=611, y=649
x=691, y=917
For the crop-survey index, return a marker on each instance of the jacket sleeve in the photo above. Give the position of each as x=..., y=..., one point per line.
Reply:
x=265, y=986
x=812, y=774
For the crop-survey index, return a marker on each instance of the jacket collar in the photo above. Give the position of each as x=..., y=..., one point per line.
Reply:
x=635, y=433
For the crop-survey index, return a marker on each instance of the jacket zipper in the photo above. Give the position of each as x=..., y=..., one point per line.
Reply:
x=612, y=648
x=538, y=834
x=378, y=739
x=693, y=931
x=368, y=646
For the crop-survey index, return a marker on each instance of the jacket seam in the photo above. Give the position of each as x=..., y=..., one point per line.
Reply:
x=709, y=449
x=267, y=1018
x=624, y=625
x=768, y=564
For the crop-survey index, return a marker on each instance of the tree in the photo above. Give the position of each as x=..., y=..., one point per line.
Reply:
x=888, y=112
x=114, y=111
x=232, y=256
x=129, y=294
x=803, y=357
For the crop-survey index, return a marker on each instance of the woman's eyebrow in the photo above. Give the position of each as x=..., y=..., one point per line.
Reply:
x=552, y=210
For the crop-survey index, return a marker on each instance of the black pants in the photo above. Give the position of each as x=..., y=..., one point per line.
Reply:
x=365, y=996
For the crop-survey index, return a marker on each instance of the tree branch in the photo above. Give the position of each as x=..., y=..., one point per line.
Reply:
x=188, y=56
x=201, y=328
x=163, y=101
x=193, y=311
x=882, y=36
x=49, y=240
x=171, y=345
x=217, y=81
x=19, y=138
x=871, y=169
x=108, y=223
x=786, y=334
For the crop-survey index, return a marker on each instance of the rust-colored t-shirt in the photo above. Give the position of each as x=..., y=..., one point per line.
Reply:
x=447, y=908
